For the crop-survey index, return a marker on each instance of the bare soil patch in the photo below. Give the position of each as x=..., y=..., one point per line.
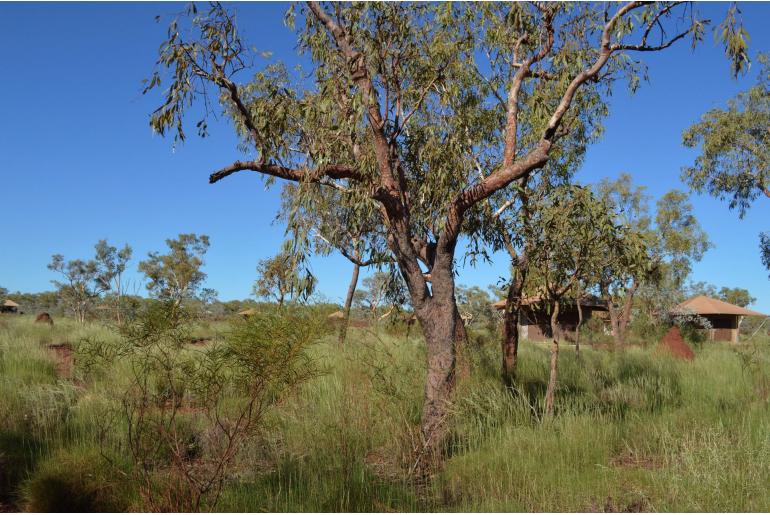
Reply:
x=200, y=341
x=633, y=460
x=611, y=505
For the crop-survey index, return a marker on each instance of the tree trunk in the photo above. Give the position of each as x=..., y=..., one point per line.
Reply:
x=348, y=303
x=438, y=317
x=579, y=324
x=549, y=395
x=614, y=325
x=461, y=346
x=510, y=341
x=626, y=313
x=619, y=318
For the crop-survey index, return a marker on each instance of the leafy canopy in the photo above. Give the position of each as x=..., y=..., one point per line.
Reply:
x=177, y=275
x=734, y=143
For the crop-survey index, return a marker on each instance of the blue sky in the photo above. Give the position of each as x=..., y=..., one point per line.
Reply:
x=78, y=161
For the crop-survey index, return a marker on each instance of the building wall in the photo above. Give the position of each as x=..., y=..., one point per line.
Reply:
x=536, y=324
x=724, y=328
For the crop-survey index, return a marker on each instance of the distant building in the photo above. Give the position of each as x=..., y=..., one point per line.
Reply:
x=725, y=318
x=9, y=306
x=535, y=318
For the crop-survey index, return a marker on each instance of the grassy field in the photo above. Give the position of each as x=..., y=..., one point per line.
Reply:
x=634, y=430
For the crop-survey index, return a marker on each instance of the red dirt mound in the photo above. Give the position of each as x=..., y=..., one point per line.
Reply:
x=44, y=318
x=65, y=361
x=675, y=344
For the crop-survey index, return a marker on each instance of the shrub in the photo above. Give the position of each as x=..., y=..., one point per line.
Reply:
x=187, y=413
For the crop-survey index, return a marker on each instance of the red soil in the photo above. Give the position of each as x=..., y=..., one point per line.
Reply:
x=65, y=361
x=675, y=344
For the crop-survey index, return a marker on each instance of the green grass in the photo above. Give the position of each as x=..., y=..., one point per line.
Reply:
x=635, y=430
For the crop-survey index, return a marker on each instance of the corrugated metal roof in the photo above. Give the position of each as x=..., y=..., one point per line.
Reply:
x=703, y=305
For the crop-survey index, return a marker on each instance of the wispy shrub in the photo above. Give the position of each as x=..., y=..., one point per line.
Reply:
x=187, y=412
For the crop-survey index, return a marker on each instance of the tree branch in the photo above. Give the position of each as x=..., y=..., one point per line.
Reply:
x=512, y=119
x=425, y=91
x=283, y=172
x=642, y=47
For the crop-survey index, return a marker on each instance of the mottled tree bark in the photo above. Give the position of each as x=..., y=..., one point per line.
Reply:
x=461, y=347
x=439, y=332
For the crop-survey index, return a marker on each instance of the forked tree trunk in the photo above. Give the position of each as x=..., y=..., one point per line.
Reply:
x=551, y=392
x=348, y=303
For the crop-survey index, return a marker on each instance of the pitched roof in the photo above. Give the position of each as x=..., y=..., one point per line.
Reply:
x=336, y=315
x=248, y=312
x=702, y=305
x=10, y=304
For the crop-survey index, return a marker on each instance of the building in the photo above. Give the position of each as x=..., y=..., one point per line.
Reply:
x=725, y=318
x=9, y=306
x=535, y=317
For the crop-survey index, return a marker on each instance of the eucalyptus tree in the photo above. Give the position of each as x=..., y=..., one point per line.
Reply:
x=734, y=159
x=734, y=143
x=623, y=271
x=282, y=276
x=679, y=238
x=324, y=219
x=658, y=250
x=738, y=296
x=572, y=231
x=84, y=281
x=113, y=263
x=380, y=288
x=177, y=276
x=401, y=100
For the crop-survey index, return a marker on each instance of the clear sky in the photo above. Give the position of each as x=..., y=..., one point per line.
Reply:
x=78, y=161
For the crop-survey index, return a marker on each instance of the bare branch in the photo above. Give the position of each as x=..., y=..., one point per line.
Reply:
x=642, y=47
x=501, y=209
x=283, y=172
